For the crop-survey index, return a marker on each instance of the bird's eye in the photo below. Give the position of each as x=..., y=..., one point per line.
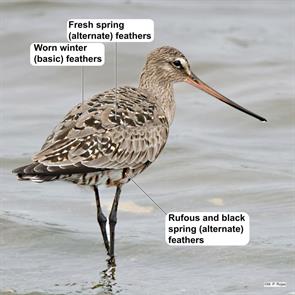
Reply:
x=177, y=64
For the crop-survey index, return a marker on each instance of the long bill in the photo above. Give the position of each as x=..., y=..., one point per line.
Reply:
x=195, y=81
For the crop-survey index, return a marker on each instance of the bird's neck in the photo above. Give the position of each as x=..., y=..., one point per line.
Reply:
x=161, y=92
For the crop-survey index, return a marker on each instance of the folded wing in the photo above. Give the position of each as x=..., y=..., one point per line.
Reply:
x=117, y=129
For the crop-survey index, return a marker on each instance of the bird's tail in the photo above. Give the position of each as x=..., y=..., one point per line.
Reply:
x=30, y=172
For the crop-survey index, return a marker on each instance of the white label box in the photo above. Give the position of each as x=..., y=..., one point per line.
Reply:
x=67, y=54
x=207, y=229
x=110, y=30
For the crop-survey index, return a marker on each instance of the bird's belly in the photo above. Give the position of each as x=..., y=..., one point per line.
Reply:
x=105, y=177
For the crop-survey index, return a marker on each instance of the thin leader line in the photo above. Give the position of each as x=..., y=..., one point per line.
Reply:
x=116, y=87
x=82, y=84
x=148, y=196
x=116, y=76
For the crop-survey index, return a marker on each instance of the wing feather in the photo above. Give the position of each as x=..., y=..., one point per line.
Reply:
x=102, y=135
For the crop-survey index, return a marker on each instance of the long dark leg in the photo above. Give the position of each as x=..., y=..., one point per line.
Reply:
x=101, y=219
x=113, y=221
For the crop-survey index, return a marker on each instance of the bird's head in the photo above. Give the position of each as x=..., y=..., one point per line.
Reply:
x=168, y=65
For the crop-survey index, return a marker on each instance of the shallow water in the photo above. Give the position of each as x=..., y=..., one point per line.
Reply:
x=217, y=159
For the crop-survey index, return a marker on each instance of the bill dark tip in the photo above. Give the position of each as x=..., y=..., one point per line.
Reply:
x=195, y=81
x=255, y=116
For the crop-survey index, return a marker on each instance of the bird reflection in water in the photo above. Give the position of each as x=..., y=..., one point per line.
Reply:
x=107, y=284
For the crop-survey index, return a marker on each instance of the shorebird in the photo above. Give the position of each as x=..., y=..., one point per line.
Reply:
x=115, y=135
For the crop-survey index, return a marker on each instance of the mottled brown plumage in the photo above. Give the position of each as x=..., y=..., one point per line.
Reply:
x=104, y=136
x=114, y=136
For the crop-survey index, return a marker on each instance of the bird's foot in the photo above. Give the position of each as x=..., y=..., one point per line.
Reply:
x=111, y=261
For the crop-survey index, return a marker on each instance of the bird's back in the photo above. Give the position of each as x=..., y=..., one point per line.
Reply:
x=113, y=135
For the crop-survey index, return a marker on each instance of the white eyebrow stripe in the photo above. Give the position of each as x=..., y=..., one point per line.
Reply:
x=184, y=64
